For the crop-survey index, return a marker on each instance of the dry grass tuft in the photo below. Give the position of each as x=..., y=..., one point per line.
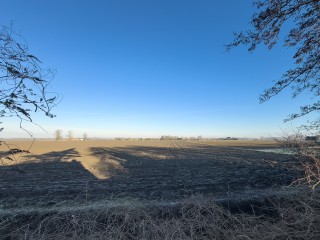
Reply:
x=307, y=154
x=195, y=218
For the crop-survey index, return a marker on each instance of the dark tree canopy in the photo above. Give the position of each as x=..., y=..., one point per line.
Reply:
x=303, y=36
x=23, y=81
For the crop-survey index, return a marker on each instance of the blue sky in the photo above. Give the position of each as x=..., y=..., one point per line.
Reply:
x=150, y=68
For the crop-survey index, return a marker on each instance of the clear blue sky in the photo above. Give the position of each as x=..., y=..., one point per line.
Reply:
x=149, y=68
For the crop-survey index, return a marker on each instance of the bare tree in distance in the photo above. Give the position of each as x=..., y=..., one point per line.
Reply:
x=70, y=135
x=58, y=135
x=85, y=136
x=303, y=36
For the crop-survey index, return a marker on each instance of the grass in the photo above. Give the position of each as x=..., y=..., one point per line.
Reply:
x=193, y=218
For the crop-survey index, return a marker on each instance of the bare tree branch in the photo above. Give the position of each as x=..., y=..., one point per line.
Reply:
x=23, y=80
x=304, y=36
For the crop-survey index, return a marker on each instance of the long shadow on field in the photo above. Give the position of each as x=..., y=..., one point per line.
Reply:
x=47, y=176
x=170, y=173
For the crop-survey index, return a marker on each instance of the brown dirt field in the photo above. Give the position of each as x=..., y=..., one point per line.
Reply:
x=63, y=171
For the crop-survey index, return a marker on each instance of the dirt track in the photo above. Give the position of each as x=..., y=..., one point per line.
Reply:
x=154, y=170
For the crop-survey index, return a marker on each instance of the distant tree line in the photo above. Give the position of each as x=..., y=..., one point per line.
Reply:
x=69, y=136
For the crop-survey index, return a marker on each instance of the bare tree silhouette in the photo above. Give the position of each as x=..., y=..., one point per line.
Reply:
x=304, y=36
x=58, y=134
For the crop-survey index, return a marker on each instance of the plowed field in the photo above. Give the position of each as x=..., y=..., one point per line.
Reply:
x=55, y=172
